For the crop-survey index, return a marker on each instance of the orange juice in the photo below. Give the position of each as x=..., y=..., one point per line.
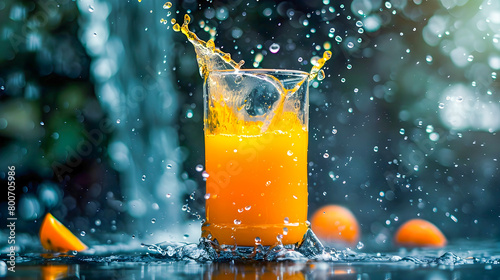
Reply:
x=257, y=187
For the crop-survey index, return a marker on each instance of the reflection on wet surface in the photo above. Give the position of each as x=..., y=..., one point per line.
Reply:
x=460, y=261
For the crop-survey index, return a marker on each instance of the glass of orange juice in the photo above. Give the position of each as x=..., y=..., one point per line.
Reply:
x=256, y=133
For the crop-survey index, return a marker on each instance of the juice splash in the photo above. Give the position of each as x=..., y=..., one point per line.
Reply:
x=256, y=155
x=211, y=58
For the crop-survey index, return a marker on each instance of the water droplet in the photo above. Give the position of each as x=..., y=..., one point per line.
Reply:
x=97, y=222
x=326, y=155
x=237, y=222
x=83, y=233
x=388, y=5
x=428, y=58
x=257, y=240
x=168, y=195
x=118, y=121
x=248, y=207
x=375, y=149
x=2, y=87
x=350, y=45
x=289, y=153
x=360, y=245
x=268, y=183
x=143, y=178
x=274, y=48
x=402, y=131
x=185, y=236
x=338, y=39
x=169, y=166
x=153, y=220
x=334, y=131
x=321, y=75
x=285, y=231
x=207, y=196
x=441, y=105
x=205, y=174
x=133, y=236
x=91, y=8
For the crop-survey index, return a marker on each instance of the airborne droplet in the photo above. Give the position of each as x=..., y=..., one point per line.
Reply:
x=274, y=48
x=167, y=5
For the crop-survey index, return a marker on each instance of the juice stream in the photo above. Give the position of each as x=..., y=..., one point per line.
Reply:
x=257, y=184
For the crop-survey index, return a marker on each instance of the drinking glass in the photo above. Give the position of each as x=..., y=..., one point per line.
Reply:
x=256, y=134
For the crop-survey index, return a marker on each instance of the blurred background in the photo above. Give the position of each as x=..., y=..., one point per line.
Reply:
x=101, y=111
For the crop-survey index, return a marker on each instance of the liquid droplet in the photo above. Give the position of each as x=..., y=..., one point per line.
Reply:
x=153, y=220
x=360, y=245
x=167, y=5
x=143, y=178
x=274, y=48
x=199, y=167
x=237, y=222
x=321, y=75
x=91, y=8
x=83, y=233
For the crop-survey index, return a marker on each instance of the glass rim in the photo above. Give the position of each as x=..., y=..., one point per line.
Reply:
x=264, y=71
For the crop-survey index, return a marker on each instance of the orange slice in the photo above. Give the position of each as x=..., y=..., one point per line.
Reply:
x=336, y=224
x=54, y=236
x=419, y=233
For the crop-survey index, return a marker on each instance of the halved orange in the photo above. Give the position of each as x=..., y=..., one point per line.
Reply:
x=334, y=223
x=54, y=236
x=419, y=233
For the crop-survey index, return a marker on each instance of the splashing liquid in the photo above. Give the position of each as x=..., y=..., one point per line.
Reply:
x=211, y=58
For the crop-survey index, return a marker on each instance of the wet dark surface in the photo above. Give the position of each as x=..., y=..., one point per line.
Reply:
x=174, y=260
